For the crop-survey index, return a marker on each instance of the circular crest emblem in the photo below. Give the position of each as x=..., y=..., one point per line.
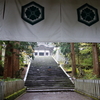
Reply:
x=32, y=13
x=87, y=14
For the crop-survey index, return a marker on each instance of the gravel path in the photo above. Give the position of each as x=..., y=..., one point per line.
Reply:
x=53, y=96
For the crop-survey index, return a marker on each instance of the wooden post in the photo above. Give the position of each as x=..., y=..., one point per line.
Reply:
x=96, y=68
x=73, y=60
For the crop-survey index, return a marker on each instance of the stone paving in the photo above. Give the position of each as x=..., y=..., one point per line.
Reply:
x=53, y=96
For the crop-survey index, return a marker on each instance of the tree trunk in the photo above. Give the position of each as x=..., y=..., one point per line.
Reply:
x=15, y=61
x=96, y=68
x=11, y=64
x=1, y=67
x=8, y=61
x=78, y=59
x=0, y=52
x=74, y=73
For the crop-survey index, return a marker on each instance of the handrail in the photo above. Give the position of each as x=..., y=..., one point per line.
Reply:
x=27, y=69
x=72, y=79
x=67, y=74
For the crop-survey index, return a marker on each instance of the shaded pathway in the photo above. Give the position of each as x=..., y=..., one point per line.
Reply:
x=53, y=96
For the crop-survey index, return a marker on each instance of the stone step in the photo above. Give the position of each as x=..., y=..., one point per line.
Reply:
x=47, y=78
x=45, y=70
x=29, y=90
x=46, y=67
x=45, y=73
x=48, y=74
x=49, y=83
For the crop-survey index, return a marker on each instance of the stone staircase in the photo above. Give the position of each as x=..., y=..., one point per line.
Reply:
x=44, y=73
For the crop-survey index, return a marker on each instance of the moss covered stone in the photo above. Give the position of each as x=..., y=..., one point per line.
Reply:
x=86, y=95
x=15, y=95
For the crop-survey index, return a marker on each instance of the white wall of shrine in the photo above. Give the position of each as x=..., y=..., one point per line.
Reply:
x=42, y=53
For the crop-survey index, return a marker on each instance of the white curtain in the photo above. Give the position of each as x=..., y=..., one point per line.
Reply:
x=60, y=23
x=1, y=17
x=15, y=28
x=72, y=29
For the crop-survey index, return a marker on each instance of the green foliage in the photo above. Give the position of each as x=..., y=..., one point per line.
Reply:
x=77, y=47
x=54, y=52
x=86, y=49
x=83, y=52
x=19, y=72
x=21, y=46
x=64, y=47
x=10, y=79
x=67, y=67
x=27, y=47
x=83, y=56
x=21, y=60
x=57, y=44
x=1, y=63
x=87, y=62
x=1, y=77
x=89, y=74
x=86, y=54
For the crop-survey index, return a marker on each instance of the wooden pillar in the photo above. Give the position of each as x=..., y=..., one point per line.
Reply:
x=96, y=68
x=73, y=60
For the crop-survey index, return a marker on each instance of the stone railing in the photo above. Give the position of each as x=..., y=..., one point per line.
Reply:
x=9, y=87
x=88, y=87
x=1, y=90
